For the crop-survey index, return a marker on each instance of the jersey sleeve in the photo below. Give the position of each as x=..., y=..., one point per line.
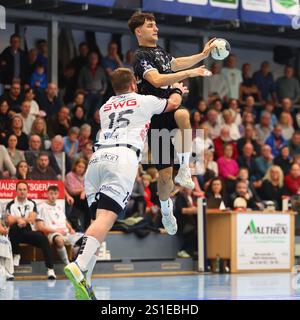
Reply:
x=143, y=64
x=154, y=105
x=8, y=209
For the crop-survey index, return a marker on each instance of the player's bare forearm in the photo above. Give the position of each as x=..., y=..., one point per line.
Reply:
x=160, y=80
x=183, y=63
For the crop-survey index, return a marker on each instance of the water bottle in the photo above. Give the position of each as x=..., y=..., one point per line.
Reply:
x=218, y=262
x=2, y=278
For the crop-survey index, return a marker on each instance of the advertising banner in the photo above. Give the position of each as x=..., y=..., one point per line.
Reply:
x=263, y=241
x=37, y=191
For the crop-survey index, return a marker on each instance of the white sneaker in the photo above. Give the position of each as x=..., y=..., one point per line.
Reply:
x=17, y=259
x=51, y=274
x=168, y=220
x=184, y=178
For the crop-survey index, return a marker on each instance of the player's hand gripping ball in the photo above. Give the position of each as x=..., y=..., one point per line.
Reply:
x=221, y=50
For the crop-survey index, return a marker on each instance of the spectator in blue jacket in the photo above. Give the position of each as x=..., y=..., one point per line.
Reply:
x=276, y=140
x=38, y=78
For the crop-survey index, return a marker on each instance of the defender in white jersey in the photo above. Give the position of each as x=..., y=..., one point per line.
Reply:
x=125, y=119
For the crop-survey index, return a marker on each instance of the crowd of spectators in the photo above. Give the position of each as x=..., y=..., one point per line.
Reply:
x=250, y=122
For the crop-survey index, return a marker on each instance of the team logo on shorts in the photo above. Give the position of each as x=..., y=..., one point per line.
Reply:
x=109, y=157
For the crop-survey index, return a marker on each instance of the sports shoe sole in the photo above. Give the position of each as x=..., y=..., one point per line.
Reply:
x=188, y=185
x=81, y=292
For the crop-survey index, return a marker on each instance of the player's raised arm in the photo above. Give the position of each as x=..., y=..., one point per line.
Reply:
x=159, y=80
x=188, y=62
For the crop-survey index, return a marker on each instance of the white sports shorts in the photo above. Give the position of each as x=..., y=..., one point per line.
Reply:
x=111, y=171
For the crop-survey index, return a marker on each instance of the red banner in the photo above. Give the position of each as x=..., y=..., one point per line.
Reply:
x=37, y=189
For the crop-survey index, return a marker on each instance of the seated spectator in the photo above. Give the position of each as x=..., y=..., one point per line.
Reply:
x=42, y=170
x=7, y=167
x=264, y=81
x=34, y=107
x=241, y=191
x=202, y=108
x=243, y=175
x=4, y=118
x=52, y=222
x=26, y=116
x=263, y=162
x=249, y=136
x=42, y=57
x=276, y=141
x=292, y=180
x=17, y=130
x=264, y=128
x=74, y=184
x=284, y=160
x=58, y=160
x=185, y=213
x=151, y=208
x=39, y=128
x=84, y=136
x=38, y=79
x=71, y=142
x=273, y=186
x=287, y=86
x=233, y=107
x=228, y=167
x=6, y=257
x=250, y=106
x=93, y=81
x=48, y=100
x=78, y=116
x=82, y=59
x=223, y=139
x=13, y=61
x=23, y=171
x=14, y=97
x=294, y=144
x=229, y=122
x=216, y=85
x=78, y=100
x=215, y=195
x=95, y=124
x=248, y=86
x=21, y=215
x=129, y=59
x=287, y=128
x=213, y=124
x=86, y=152
x=35, y=147
x=287, y=106
x=59, y=124
x=247, y=119
x=247, y=160
x=269, y=107
x=15, y=155
x=136, y=202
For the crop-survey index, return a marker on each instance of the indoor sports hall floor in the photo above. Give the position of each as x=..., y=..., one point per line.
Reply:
x=248, y=286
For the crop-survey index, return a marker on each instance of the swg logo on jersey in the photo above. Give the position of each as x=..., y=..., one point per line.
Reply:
x=2, y=18
x=109, y=157
x=109, y=188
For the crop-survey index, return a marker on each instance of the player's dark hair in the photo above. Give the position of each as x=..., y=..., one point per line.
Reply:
x=52, y=188
x=121, y=79
x=138, y=19
x=20, y=182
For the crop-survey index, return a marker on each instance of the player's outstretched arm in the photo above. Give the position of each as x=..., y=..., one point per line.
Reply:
x=160, y=80
x=188, y=62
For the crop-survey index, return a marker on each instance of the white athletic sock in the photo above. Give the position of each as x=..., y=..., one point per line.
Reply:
x=62, y=252
x=87, y=250
x=184, y=158
x=165, y=206
x=90, y=269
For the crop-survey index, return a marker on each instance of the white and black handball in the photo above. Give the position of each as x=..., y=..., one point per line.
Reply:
x=221, y=50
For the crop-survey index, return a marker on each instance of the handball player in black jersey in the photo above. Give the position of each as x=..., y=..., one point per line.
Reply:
x=156, y=71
